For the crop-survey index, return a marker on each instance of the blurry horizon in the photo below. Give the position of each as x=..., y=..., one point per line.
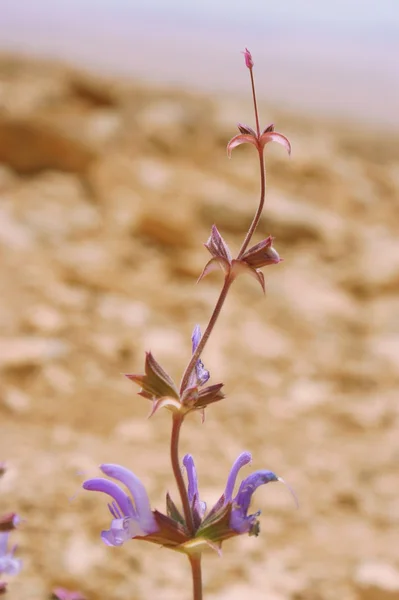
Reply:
x=334, y=59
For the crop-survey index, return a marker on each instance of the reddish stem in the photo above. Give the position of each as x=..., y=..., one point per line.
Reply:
x=258, y=214
x=174, y=456
x=212, y=321
x=255, y=104
x=195, y=562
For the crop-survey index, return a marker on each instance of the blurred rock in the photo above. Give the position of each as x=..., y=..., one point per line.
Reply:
x=29, y=146
x=30, y=351
x=377, y=581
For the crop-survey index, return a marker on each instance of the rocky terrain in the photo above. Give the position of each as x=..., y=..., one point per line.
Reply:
x=107, y=192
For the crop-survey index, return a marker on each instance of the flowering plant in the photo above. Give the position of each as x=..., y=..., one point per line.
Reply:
x=192, y=528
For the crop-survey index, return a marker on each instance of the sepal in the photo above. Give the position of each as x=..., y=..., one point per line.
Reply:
x=262, y=254
x=156, y=383
x=217, y=246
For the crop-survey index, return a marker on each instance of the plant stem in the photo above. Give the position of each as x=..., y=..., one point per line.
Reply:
x=195, y=562
x=214, y=317
x=174, y=456
x=255, y=104
x=258, y=214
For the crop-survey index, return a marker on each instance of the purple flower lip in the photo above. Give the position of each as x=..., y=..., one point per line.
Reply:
x=132, y=515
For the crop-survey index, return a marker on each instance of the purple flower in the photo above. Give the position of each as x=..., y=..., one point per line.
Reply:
x=229, y=516
x=201, y=375
x=132, y=515
x=8, y=564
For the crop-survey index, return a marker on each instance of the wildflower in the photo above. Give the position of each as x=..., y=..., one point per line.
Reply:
x=260, y=255
x=8, y=564
x=158, y=386
x=133, y=517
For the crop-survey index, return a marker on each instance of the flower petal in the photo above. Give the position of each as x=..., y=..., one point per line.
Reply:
x=273, y=136
x=241, y=138
x=99, y=484
x=188, y=462
x=138, y=492
x=239, y=520
x=193, y=492
x=121, y=531
x=244, y=459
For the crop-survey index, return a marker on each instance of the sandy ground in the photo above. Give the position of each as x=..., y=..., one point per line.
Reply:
x=107, y=193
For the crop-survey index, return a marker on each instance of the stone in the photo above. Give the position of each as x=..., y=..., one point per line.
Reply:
x=28, y=351
x=377, y=581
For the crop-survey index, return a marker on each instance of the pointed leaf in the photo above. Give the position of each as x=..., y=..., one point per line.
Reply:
x=242, y=138
x=272, y=136
x=156, y=383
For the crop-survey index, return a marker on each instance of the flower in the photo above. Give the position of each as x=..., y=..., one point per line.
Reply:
x=133, y=517
x=8, y=564
x=260, y=255
x=132, y=514
x=158, y=386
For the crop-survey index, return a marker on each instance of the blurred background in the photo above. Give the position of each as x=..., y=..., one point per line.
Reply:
x=114, y=118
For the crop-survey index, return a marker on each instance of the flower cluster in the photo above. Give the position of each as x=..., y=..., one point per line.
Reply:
x=134, y=518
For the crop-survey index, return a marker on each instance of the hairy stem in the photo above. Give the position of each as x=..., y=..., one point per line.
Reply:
x=258, y=213
x=212, y=321
x=174, y=456
x=195, y=562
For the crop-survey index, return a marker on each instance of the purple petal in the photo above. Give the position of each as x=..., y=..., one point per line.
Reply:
x=239, y=520
x=98, y=484
x=193, y=492
x=138, y=492
x=244, y=459
x=121, y=531
x=272, y=136
x=196, y=337
x=188, y=462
